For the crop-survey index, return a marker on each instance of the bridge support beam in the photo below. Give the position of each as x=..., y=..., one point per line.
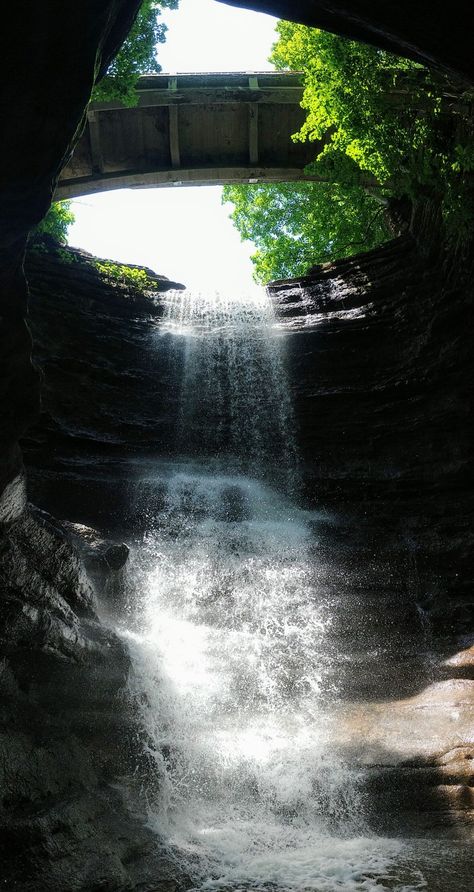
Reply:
x=215, y=176
x=93, y=120
x=253, y=133
x=174, y=136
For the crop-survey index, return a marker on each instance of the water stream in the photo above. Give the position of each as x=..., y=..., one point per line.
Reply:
x=231, y=642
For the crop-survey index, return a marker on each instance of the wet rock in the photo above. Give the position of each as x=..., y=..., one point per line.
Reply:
x=68, y=732
x=458, y=765
x=99, y=555
x=13, y=500
x=380, y=374
x=105, y=561
x=461, y=664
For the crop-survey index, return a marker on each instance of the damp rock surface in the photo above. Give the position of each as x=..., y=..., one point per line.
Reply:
x=67, y=732
x=381, y=377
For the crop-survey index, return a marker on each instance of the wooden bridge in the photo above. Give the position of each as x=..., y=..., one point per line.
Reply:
x=193, y=129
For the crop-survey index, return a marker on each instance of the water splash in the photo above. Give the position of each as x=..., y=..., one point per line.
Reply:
x=230, y=665
x=228, y=661
x=231, y=634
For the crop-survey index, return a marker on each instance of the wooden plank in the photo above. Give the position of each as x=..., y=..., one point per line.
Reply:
x=206, y=96
x=174, y=136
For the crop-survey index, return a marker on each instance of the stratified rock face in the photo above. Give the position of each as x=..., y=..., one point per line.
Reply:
x=105, y=381
x=381, y=375
x=381, y=371
x=438, y=36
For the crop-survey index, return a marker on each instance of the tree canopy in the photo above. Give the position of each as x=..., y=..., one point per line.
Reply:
x=294, y=225
x=388, y=130
x=377, y=107
x=137, y=55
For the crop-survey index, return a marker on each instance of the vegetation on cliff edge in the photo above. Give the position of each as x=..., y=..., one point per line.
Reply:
x=54, y=226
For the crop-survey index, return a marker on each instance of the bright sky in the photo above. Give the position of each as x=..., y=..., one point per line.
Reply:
x=183, y=232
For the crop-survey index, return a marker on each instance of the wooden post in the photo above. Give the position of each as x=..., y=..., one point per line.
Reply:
x=94, y=136
x=174, y=136
x=253, y=133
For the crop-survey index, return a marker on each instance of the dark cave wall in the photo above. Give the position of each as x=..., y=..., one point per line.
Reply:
x=433, y=34
x=52, y=53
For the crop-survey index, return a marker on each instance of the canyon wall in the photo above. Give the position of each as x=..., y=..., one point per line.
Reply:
x=380, y=371
x=382, y=376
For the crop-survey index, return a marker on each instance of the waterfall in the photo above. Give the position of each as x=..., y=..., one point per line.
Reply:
x=230, y=639
x=235, y=405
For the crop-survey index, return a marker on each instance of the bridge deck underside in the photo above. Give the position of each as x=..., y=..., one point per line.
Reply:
x=194, y=136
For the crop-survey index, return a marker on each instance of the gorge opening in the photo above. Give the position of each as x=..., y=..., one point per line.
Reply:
x=236, y=625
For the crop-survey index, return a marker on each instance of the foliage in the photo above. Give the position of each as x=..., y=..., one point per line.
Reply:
x=137, y=55
x=366, y=104
x=132, y=276
x=458, y=204
x=54, y=225
x=383, y=127
x=294, y=225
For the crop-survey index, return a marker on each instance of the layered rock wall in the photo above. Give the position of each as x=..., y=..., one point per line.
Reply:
x=382, y=374
x=380, y=371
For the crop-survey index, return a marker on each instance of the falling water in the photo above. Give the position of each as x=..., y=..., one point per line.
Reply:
x=235, y=405
x=231, y=637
